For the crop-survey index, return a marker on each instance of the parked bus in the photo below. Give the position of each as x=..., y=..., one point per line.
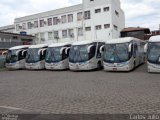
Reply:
x=15, y=57
x=152, y=49
x=85, y=55
x=123, y=54
x=35, y=58
x=57, y=56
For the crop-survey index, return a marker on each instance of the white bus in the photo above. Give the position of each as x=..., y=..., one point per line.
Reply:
x=85, y=55
x=123, y=54
x=57, y=56
x=152, y=49
x=35, y=58
x=15, y=57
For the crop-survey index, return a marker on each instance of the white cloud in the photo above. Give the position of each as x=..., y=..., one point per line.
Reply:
x=11, y=9
x=143, y=13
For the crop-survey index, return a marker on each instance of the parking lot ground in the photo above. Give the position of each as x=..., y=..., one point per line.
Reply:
x=94, y=92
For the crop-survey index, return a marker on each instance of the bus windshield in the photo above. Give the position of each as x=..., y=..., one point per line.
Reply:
x=79, y=53
x=11, y=56
x=53, y=55
x=116, y=53
x=32, y=55
x=154, y=52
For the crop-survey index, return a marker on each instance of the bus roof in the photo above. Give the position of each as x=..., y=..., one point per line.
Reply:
x=59, y=44
x=155, y=38
x=122, y=40
x=86, y=42
x=19, y=47
x=38, y=46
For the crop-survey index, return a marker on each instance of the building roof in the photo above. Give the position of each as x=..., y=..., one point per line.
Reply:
x=7, y=45
x=7, y=27
x=155, y=38
x=131, y=29
x=15, y=34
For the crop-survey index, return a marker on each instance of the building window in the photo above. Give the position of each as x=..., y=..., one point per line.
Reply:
x=42, y=36
x=70, y=18
x=64, y=33
x=70, y=32
x=87, y=28
x=115, y=27
x=116, y=13
x=98, y=27
x=36, y=35
x=55, y=21
x=87, y=15
x=63, y=19
x=49, y=21
x=24, y=26
x=29, y=24
x=50, y=35
x=17, y=27
x=41, y=23
x=79, y=16
x=56, y=35
x=106, y=26
x=80, y=31
x=97, y=10
x=35, y=24
x=106, y=9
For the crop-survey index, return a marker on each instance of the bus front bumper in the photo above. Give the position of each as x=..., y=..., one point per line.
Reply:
x=81, y=66
x=117, y=66
x=155, y=68
x=56, y=66
x=13, y=65
x=34, y=66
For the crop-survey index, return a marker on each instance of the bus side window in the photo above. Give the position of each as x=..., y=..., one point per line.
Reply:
x=92, y=51
x=98, y=50
x=135, y=50
x=64, y=55
x=42, y=56
x=20, y=56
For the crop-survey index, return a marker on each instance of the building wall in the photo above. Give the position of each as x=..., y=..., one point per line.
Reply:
x=102, y=24
x=8, y=28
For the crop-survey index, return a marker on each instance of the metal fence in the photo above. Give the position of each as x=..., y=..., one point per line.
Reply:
x=2, y=61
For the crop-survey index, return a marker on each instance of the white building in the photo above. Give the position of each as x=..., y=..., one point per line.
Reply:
x=91, y=20
x=8, y=28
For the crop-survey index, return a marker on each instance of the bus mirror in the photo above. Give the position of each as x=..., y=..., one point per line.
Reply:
x=4, y=53
x=17, y=52
x=61, y=50
x=67, y=50
x=23, y=52
x=39, y=51
x=145, y=48
x=89, y=48
x=130, y=47
x=101, y=49
x=43, y=50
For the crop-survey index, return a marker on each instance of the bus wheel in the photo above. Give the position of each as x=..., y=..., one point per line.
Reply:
x=99, y=65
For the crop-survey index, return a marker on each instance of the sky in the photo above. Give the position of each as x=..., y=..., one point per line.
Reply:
x=143, y=13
